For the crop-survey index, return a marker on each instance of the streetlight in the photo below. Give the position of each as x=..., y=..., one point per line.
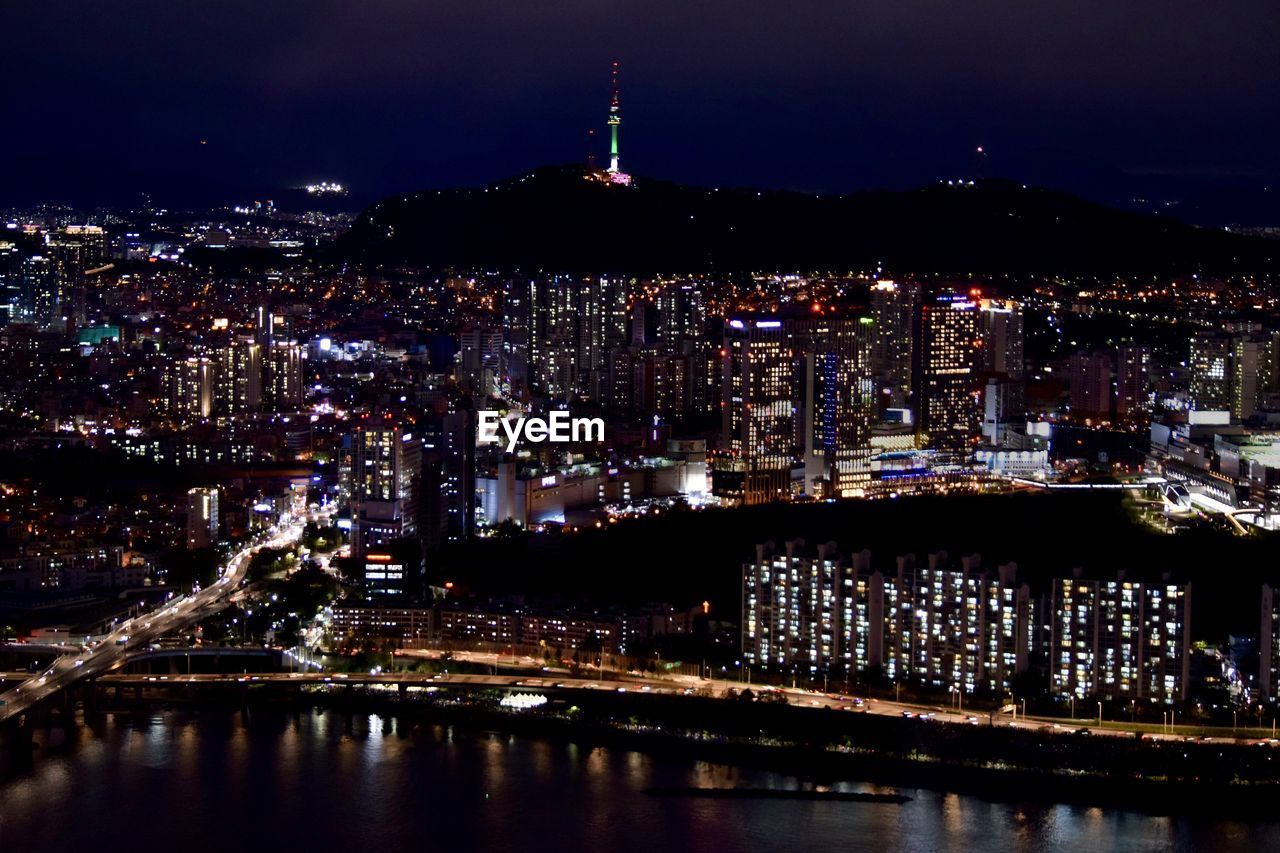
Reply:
x=1099, y=715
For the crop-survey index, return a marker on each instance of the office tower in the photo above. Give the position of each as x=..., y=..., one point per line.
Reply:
x=386, y=477
x=839, y=405
x=706, y=368
x=658, y=384
x=240, y=377
x=758, y=420
x=950, y=357
x=79, y=247
x=1120, y=639
x=796, y=390
x=893, y=329
x=190, y=384
x=458, y=466
x=480, y=360
x=1110, y=383
x=1209, y=367
x=10, y=282
x=284, y=376
x=621, y=391
x=202, y=517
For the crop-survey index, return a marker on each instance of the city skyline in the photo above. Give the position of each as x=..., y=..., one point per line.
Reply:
x=431, y=417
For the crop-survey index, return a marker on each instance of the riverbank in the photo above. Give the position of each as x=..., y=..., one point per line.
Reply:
x=820, y=747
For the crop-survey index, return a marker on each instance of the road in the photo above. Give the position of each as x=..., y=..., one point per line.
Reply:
x=688, y=684
x=140, y=631
x=679, y=686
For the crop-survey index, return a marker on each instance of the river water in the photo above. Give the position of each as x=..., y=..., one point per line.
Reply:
x=322, y=781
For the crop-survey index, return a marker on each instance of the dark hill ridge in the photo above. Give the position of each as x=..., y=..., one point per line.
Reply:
x=554, y=219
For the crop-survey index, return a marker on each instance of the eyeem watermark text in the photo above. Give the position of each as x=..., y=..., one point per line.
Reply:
x=558, y=428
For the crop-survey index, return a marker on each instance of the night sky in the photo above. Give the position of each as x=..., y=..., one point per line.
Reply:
x=1102, y=97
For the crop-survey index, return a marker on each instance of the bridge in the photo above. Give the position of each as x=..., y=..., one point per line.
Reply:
x=136, y=634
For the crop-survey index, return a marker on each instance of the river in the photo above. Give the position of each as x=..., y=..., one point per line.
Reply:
x=322, y=781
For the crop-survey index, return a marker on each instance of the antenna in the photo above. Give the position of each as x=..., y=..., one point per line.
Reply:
x=615, y=119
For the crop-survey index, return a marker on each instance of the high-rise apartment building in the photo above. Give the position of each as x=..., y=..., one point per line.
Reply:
x=202, y=517
x=938, y=625
x=240, y=377
x=1120, y=639
x=285, y=376
x=190, y=386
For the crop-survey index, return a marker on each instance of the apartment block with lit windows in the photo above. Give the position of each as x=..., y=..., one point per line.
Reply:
x=1120, y=639
x=936, y=625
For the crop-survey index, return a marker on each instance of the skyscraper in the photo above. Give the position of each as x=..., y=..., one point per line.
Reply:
x=386, y=474
x=190, y=384
x=240, y=377
x=950, y=367
x=458, y=467
x=759, y=428
x=41, y=290
x=839, y=404
x=1002, y=355
x=1209, y=366
x=284, y=374
x=893, y=314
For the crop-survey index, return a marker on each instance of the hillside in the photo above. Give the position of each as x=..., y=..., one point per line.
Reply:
x=554, y=219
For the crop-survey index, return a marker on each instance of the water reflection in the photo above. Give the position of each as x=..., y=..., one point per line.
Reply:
x=325, y=781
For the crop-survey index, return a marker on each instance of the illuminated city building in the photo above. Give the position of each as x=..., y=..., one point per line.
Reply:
x=957, y=627
x=758, y=416
x=839, y=406
x=1120, y=639
x=894, y=306
x=240, y=377
x=386, y=472
x=284, y=375
x=951, y=361
x=191, y=385
x=1209, y=367
x=202, y=517
x=1269, y=645
x=934, y=626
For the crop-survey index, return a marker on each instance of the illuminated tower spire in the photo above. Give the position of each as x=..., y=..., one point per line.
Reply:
x=615, y=119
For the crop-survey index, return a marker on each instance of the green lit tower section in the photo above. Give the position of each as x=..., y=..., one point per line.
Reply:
x=615, y=120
